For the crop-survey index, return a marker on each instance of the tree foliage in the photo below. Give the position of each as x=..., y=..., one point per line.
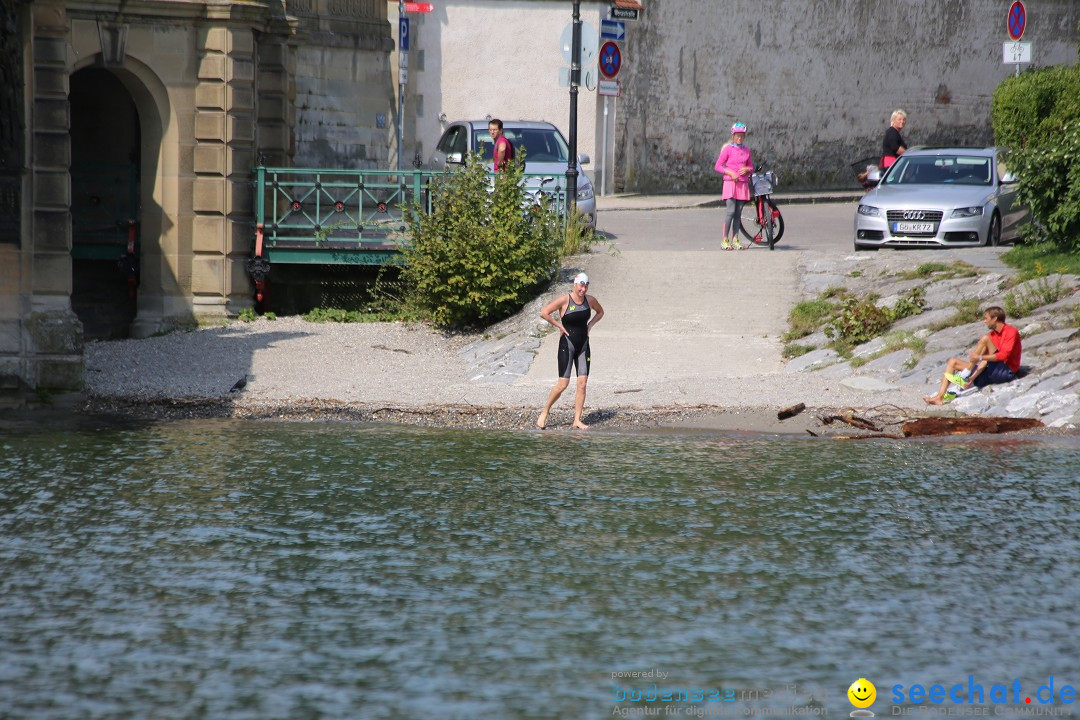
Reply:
x=483, y=248
x=1037, y=116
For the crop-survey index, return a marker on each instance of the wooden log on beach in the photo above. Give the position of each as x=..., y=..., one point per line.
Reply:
x=790, y=411
x=924, y=427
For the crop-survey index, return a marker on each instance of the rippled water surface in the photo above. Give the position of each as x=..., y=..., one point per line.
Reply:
x=226, y=570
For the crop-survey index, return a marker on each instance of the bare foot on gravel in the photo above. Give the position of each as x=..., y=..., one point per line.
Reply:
x=580, y=425
x=541, y=422
x=932, y=400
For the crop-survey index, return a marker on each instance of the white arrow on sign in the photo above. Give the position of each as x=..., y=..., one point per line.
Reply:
x=612, y=30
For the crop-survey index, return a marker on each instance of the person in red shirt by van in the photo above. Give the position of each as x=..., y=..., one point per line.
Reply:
x=502, y=152
x=995, y=359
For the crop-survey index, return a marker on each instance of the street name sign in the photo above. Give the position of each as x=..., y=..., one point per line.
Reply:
x=420, y=7
x=619, y=13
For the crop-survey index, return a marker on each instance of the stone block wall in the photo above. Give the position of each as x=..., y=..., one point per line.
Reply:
x=815, y=80
x=342, y=84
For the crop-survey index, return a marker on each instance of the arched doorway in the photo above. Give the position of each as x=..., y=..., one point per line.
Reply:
x=105, y=192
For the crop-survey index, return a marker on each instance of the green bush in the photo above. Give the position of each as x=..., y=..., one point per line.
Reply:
x=861, y=320
x=476, y=257
x=1037, y=116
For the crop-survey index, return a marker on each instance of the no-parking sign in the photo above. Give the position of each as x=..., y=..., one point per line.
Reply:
x=610, y=59
x=1017, y=20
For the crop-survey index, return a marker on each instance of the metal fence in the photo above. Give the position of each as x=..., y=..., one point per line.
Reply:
x=308, y=215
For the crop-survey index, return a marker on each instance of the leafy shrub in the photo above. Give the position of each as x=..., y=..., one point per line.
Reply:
x=477, y=255
x=860, y=320
x=1037, y=116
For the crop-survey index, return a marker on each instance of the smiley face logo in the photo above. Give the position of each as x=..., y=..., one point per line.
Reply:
x=862, y=693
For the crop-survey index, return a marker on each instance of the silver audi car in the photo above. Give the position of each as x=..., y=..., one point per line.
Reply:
x=941, y=197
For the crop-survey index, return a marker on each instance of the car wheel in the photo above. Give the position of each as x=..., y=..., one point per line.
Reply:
x=993, y=237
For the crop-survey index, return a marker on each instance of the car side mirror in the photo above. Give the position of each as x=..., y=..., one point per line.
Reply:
x=453, y=158
x=583, y=159
x=1008, y=178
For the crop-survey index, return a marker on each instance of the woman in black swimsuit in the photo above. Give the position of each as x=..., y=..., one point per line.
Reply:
x=578, y=312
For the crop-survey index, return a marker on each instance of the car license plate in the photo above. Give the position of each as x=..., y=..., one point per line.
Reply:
x=913, y=227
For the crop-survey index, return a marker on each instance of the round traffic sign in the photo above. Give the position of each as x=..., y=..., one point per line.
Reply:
x=1017, y=20
x=610, y=59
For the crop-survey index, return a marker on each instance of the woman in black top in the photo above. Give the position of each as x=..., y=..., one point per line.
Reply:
x=893, y=146
x=578, y=312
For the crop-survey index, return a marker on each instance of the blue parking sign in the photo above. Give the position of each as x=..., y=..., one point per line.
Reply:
x=403, y=34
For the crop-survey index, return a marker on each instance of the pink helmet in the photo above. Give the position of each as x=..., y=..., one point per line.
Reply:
x=738, y=127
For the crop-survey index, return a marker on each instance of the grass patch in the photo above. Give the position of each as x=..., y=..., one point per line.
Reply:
x=943, y=271
x=967, y=311
x=323, y=315
x=1033, y=260
x=1034, y=294
x=807, y=317
x=794, y=350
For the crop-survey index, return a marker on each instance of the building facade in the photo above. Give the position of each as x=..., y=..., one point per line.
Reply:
x=128, y=133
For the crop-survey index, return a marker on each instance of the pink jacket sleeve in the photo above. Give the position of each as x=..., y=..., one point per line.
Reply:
x=720, y=161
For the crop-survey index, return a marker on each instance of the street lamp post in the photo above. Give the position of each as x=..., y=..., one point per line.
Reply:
x=575, y=79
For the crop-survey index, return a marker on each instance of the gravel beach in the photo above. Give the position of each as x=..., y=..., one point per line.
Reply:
x=692, y=338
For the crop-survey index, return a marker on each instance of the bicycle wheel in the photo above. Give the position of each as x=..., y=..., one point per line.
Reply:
x=750, y=223
x=775, y=221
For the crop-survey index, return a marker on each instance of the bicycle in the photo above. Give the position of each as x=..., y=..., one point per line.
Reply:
x=761, y=221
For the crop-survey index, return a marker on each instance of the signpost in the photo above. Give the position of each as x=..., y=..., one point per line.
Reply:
x=1016, y=51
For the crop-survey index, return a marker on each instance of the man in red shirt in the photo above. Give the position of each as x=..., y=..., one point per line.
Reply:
x=503, y=150
x=995, y=359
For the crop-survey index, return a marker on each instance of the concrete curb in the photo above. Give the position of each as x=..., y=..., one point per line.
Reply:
x=619, y=203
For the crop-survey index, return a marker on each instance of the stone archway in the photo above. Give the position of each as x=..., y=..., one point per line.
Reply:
x=106, y=150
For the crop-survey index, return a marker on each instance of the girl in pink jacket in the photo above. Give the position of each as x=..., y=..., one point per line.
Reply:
x=736, y=165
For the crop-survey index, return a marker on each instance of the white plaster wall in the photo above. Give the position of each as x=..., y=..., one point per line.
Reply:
x=477, y=58
x=815, y=80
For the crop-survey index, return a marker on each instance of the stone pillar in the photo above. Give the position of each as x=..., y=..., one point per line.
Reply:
x=274, y=101
x=223, y=158
x=51, y=331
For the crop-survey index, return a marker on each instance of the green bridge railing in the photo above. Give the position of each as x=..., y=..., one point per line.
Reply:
x=322, y=216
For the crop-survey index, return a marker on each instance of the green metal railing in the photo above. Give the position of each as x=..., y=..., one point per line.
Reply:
x=310, y=215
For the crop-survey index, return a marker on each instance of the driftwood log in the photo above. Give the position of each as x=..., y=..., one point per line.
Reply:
x=853, y=421
x=790, y=411
x=924, y=427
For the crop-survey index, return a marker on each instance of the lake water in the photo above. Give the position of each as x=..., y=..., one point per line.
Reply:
x=227, y=570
